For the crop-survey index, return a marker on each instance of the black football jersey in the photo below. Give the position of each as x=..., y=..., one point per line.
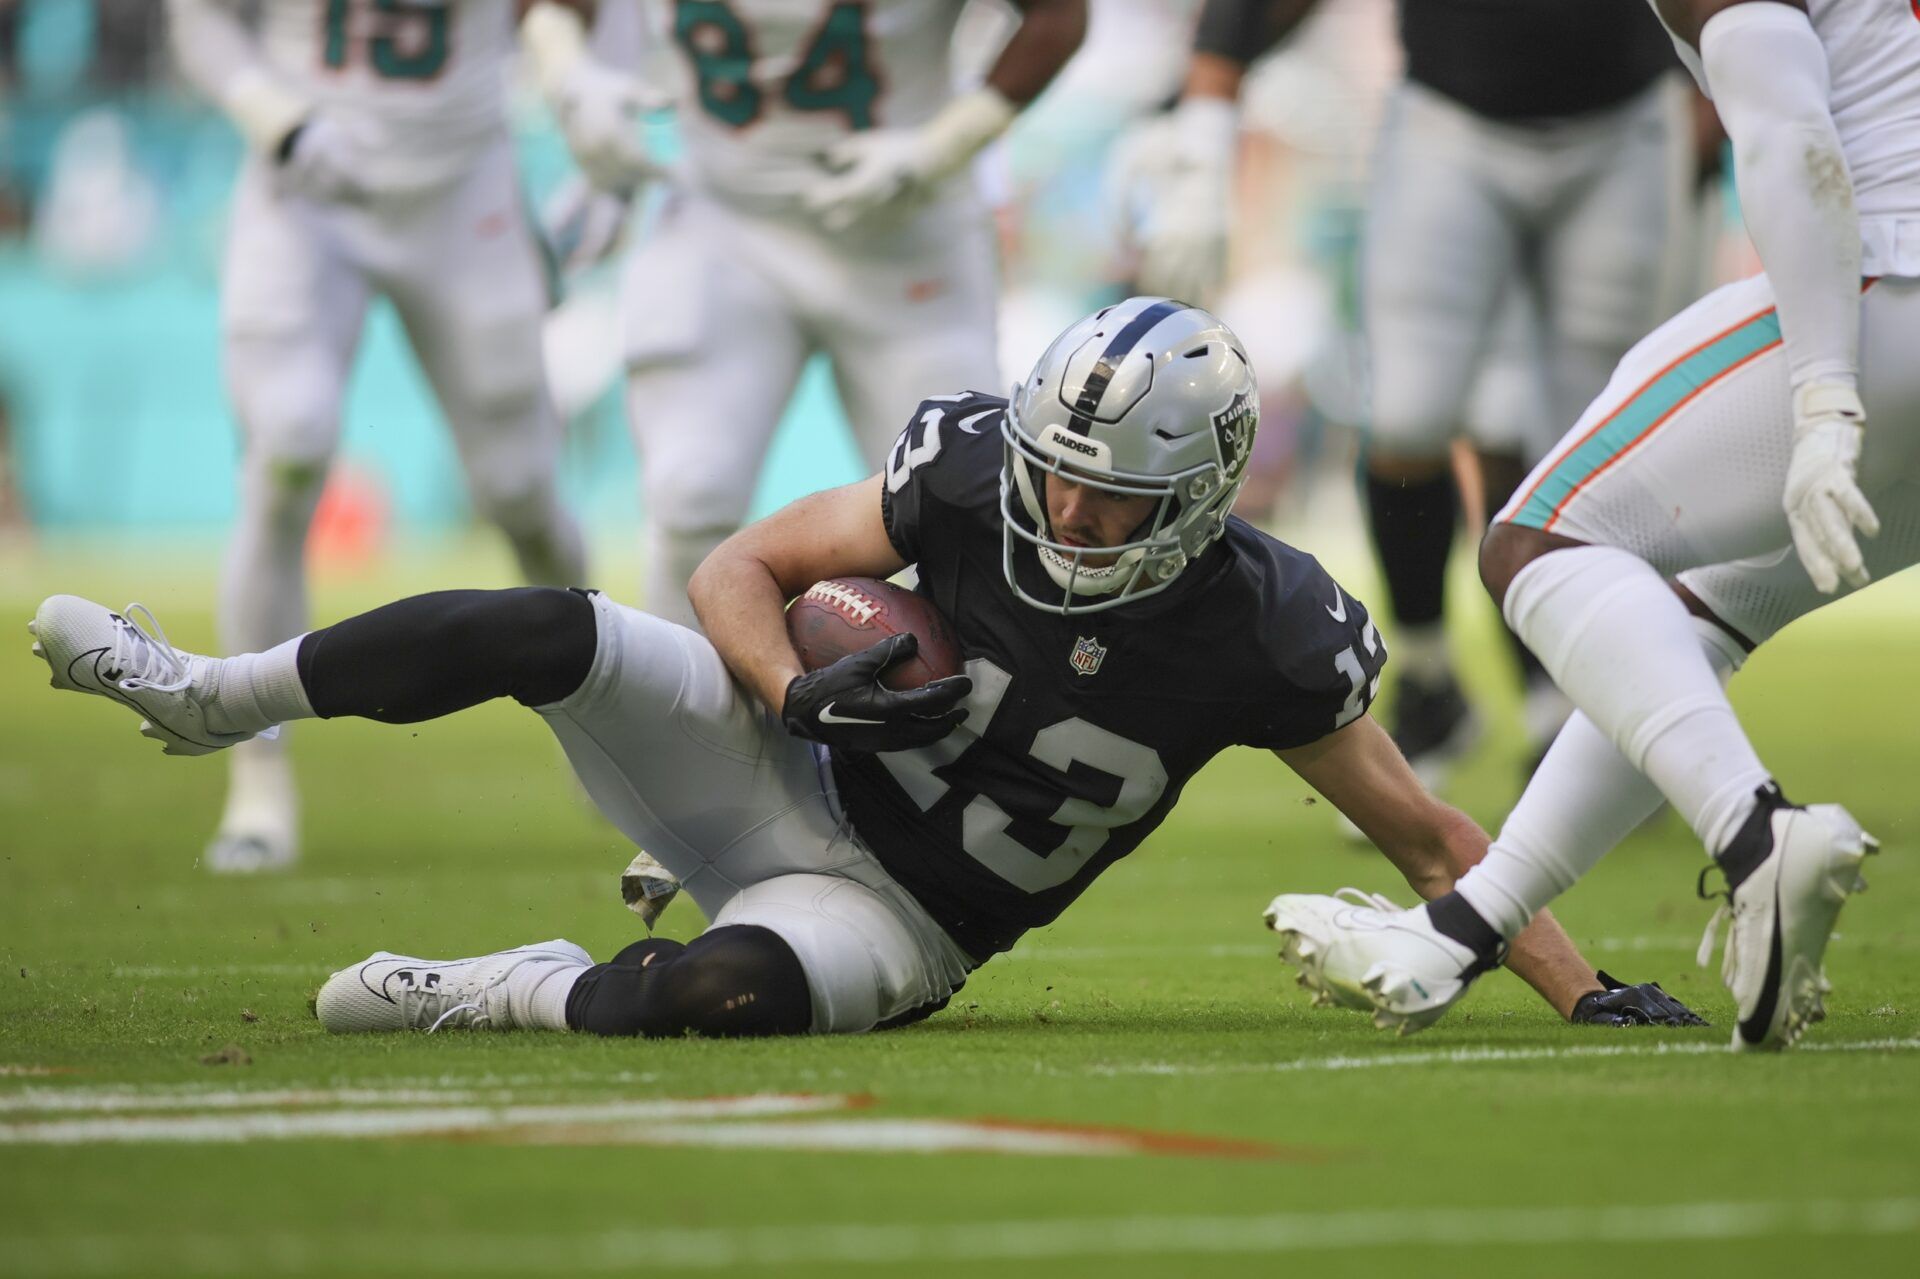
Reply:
x=1534, y=59
x=1081, y=730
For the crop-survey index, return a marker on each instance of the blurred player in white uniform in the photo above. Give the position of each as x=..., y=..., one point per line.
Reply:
x=1522, y=192
x=379, y=163
x=827, y=208
x=1748, y=446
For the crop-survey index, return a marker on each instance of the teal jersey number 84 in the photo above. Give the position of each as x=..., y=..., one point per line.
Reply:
x=835, y=74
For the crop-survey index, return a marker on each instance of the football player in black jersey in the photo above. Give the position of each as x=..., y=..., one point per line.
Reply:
x=859, y=851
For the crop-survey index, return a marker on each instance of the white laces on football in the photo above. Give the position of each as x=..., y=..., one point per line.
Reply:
x=1372, y=901
x=144, y=657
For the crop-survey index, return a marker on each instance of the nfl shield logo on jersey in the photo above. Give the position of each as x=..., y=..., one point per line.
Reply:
x=1087, y=654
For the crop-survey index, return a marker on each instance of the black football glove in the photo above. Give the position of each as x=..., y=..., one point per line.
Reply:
x=1623, y=1005
x=846, y=707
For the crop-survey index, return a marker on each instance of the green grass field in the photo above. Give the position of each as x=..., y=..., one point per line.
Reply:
x=1256, y=1132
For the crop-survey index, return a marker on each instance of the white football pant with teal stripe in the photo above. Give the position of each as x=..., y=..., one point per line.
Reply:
x=1683, y=459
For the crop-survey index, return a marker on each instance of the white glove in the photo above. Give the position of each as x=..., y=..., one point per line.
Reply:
x=325, y=160
x=868, y=171
x=1185, y=250
x=1823, y=498
x=599, y=109
x=583, y=225
x=884, y=168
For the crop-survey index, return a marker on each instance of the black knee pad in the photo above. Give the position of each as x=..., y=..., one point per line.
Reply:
x=741, y=980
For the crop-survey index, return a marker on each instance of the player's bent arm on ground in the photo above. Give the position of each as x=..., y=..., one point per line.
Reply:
x=220, y=57
x=740, y=592
x=1362, y=773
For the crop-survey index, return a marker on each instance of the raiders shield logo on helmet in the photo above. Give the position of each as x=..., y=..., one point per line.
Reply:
x=1234, y=425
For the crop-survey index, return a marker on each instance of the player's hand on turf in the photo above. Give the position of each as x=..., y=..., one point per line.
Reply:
x=325, y=159
x=1823, y=499
x=867, y=172
x=845, y=705
x=598, y=110
x=1184, y=254
x=1622, y=1005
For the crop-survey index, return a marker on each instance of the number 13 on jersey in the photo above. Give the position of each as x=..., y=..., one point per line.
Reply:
x=835, y=72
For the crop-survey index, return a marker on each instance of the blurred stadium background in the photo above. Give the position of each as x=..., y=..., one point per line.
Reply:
x=114, y=181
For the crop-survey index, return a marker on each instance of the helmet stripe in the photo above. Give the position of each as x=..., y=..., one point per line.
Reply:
x=1117, y=350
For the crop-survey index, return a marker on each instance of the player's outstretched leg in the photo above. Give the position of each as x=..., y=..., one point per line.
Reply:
x=416, y=659
x=734, y=980
x=524, y=988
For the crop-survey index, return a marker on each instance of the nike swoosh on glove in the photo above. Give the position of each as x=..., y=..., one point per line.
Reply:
x=846, y=707
x=1623, y=1005
x=1823, y=498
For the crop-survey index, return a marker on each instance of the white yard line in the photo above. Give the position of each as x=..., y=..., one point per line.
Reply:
x=419, y=1251
x=391, y=1122
x=1467, y=1057
x=106, y=1100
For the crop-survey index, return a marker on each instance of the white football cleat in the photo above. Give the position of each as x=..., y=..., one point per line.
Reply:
x=1359, y=950
x=95, y=650
x=386, y=991
x=1789, y=870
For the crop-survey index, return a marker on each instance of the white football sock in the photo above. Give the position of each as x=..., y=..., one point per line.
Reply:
x=1617, y=639
x=1581, y=802
x=537, y=994
x=255, y=691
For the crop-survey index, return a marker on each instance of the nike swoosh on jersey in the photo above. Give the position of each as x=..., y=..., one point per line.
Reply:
x=1338, y=612
x=967, y=423
x=827, y=716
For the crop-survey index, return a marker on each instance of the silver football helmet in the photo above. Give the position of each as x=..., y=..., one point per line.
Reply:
x=1149, y=398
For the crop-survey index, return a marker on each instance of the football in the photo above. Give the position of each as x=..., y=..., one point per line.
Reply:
x=843, y=615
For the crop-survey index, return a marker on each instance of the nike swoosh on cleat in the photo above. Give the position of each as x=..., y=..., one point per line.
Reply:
x=107, y=689
x=827, y=716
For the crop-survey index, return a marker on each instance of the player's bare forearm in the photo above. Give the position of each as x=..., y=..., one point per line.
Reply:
x=740, y=592
x=1542, y=955
x=1363, y=774
x=1049, y=32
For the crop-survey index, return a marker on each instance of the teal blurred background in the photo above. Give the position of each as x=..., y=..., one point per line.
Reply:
x=114, y=182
